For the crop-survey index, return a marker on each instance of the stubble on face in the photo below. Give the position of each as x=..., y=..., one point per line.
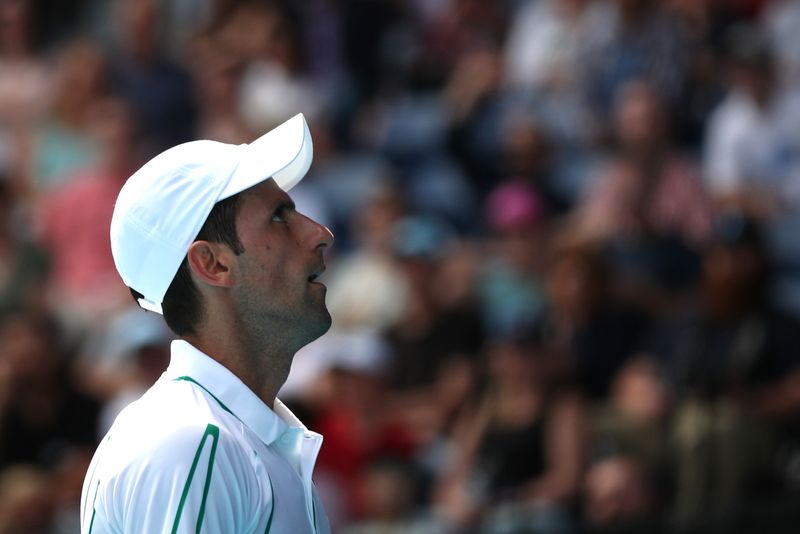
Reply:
x=278, y=309
x=268, y=324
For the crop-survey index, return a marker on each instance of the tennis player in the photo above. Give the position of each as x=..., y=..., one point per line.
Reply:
x=206, y=235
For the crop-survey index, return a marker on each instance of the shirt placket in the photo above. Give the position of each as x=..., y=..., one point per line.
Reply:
x=300, y=450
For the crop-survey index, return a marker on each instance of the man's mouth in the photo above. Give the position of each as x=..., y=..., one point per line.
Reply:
x=316, y=274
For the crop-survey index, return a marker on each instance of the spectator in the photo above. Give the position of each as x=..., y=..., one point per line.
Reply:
x=43, y=416
x=624, y=488
x=649, y=189
x=648, y=206
x=218, y=76
x=780, y=18
x=28, y=505
x=518, y=451
x=61, y=141
x=618, y=498
x=431, y=332
x=24, y=266
x=274, y=86
x=76, y=217
x=23, y=76
x=390, y=500
x=592, y=333
x=641, y=40
x=545, y=53
x=732, y=367
x=510, y=285
x=751, y=151
x=473, y=104
x=119, y=363
x=702, y=24
x=159, y=90
x=529, y=155
x=359, y=426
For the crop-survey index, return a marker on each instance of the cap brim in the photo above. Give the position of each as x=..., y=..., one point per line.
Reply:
x=283, y=154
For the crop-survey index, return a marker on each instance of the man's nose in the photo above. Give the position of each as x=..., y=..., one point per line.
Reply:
x=321, y=236
x=326, y=237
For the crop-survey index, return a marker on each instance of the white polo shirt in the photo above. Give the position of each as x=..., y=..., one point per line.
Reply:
x=200, y=452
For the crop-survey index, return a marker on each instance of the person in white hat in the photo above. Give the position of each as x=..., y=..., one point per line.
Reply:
x=206, y=235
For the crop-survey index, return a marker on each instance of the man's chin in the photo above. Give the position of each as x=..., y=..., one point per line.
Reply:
x=320, y=324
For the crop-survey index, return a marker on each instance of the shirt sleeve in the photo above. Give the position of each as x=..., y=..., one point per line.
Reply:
x=721, y=166
x=196, y=480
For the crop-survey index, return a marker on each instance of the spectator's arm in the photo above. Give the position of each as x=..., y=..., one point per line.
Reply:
x=564, y=452
x=453, y=500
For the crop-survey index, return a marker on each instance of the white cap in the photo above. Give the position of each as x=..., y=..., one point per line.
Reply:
x=162, y=207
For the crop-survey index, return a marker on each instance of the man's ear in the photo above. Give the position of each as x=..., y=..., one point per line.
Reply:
x=211, y=263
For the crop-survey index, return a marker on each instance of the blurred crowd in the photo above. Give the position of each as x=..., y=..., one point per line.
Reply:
x=566, y=282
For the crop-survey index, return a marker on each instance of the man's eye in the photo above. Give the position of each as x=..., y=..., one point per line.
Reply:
x=281, y=214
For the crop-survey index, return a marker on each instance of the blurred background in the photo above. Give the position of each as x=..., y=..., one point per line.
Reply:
x=566, y=282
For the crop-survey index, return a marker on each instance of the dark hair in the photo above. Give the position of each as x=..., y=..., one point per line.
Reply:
x=182, y=304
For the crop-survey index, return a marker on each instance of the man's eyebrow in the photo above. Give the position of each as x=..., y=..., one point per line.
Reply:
x=283, y=203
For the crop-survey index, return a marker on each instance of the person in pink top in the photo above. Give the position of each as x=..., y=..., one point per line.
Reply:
x=76, y=216
x=649, y=188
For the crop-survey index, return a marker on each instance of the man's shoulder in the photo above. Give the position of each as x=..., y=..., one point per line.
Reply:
x=171, y=453
x=168, y=401
x=168, y=424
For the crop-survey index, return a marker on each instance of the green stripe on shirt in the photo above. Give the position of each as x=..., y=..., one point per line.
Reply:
x=94, y=510
x=213, y=431
x=272, y=510
x=195, y=382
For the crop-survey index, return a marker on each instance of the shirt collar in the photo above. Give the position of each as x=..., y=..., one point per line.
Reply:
x=223, y=385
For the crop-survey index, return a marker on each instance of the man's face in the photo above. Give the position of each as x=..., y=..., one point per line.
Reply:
x=275, y=292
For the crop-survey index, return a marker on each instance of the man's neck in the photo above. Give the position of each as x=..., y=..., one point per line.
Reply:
x=263, y=369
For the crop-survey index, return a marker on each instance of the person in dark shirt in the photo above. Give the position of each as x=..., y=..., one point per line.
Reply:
x=159, y=90
x=43, y=416
x=518, y=451
x=592, y=333
x=733, y=368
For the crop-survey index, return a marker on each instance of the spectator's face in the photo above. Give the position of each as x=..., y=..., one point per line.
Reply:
x=81, y=73
x=573, y=286
x=257, y=31
x=387, y=493
x=615, y=492
x=525, y=151
x=139, y=23
x=375, y=222
x=510, y=363
x=283, y=249
x=13, y=26
x=757, y=80
x=111, y=123
x=732, y=273
x=27, y=500
x=639, y=392
x=639, y=120
x=570, y=7
x=25, y=350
